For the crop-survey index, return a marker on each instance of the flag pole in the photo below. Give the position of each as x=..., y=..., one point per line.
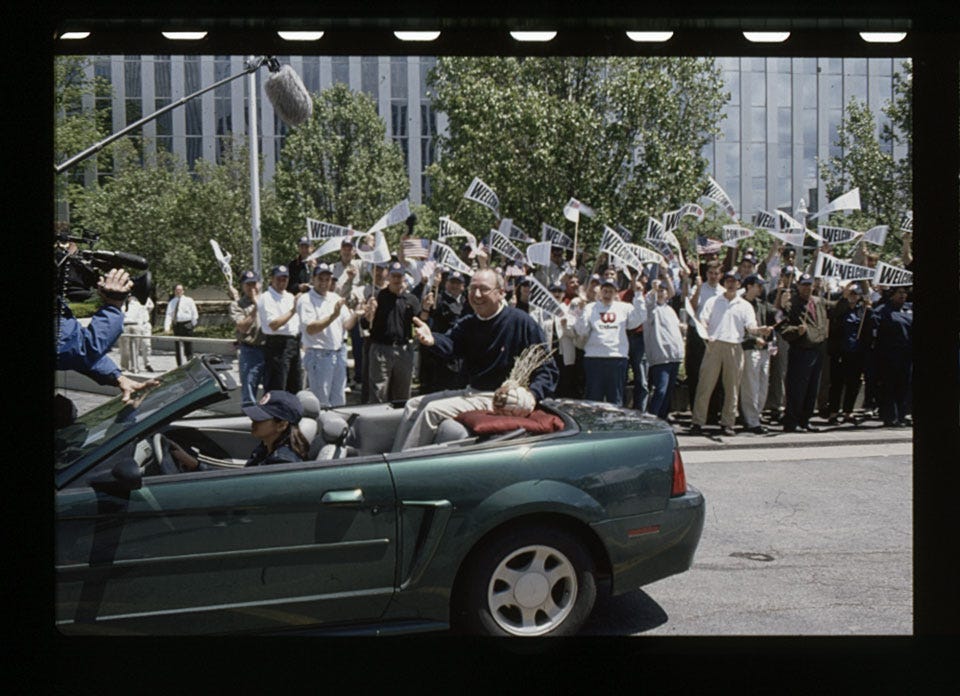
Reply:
x=576, y=229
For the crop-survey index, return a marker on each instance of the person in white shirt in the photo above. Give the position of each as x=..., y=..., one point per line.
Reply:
x=604, y=324
x=181, y=317
x=324, y=323
x=695, y=345
x=728, y=319
x=136, y=321
x=281, y=330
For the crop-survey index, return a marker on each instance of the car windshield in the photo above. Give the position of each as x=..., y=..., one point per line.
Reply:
x=113, y=418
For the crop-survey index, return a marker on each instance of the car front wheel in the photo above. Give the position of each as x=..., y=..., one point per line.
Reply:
x=536, y=581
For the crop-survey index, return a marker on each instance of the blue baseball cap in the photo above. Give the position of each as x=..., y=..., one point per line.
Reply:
x=280, y=270
x=249, y=277
x=397, y=267
x=303, y=240
x=456, y=275
x=276, y=404
x=322, y=268
x=805, y=279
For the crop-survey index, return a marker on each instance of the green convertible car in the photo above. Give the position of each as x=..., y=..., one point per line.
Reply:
x=511, y=533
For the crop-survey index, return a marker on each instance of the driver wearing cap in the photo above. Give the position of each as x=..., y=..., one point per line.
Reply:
x=274, y=422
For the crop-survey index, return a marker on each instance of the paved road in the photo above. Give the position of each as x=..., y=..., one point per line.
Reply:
x=796, y=542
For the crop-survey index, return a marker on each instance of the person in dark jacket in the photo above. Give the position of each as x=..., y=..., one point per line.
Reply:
x=893, y=326
x=805, y=328
x=851, y=329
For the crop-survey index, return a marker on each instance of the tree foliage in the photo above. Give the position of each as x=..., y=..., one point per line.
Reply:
x=866, y=161
x=75, y=129
x=338, y=167
x=168, y=214
x=622, y=135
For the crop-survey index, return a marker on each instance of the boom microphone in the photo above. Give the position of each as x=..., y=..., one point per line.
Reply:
x=289, y=96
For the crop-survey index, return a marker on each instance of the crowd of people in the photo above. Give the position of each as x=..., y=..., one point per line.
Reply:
x=755, y=341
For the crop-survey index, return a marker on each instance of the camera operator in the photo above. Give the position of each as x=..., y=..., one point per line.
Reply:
x=85, y=349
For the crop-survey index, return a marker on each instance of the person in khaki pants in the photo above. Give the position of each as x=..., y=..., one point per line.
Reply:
x=728, y=319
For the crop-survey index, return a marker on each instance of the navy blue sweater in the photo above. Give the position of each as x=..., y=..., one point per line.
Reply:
x=488, y=349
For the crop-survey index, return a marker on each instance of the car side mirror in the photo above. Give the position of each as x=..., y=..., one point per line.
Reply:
x=128, y=473
x=125, y=476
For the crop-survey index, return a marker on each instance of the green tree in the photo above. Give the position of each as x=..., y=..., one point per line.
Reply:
x=866, y=161
x=338, y=167
x=168, y=214
x=622, y=135
x=75, y=128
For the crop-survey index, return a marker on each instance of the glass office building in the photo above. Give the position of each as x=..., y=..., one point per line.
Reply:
x=782, y=116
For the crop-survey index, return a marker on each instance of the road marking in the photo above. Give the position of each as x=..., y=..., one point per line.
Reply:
x=796, y=453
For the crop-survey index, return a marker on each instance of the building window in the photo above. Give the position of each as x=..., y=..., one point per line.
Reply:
x=222, y=110
x=162, y=91
x=193, y=110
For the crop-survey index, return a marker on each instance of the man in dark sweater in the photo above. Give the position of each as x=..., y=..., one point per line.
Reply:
x=488, y=341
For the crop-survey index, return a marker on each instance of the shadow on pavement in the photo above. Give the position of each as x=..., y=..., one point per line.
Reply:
x=624, y=615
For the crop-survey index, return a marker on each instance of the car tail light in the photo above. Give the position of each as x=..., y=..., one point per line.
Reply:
x=679, y=477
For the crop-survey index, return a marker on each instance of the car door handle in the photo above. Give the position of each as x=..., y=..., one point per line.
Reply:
x=346, y=497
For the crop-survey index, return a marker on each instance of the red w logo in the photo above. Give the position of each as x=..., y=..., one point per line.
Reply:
x=608, y=317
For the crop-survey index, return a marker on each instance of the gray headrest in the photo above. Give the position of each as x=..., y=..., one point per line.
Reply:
x=334, y=427
x=310, y=403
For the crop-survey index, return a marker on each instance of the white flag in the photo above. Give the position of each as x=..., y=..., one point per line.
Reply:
x=733, y=234
x=612, y=244
x=223, y=260
x=671, y=220
x=891, y=276
x=317, y=230
x=512, y=232
x=692, y=317
x=657, y=232
x=573, y=208
x=538, y=254
x=443, y=255
x=480, y=193
x=449, y=228
x=831, y=267
x=555, y=237
x=876, y=235
x=906, y=222
x=380, y=251
x=791, y=236
x=829, y=234
x=644, y=254
x=394, y=216
x=716, y=194
x=786, y=222
x=766, y=221
x=543, y=298
x=501, y=244
x=848, y=201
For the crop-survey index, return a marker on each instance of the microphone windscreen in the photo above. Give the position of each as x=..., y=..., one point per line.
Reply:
x=289, y=97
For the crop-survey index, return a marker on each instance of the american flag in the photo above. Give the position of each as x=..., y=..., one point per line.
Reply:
x=416, y=248
x=708, y=246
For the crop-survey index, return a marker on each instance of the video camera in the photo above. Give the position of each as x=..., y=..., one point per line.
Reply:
x=78, y=273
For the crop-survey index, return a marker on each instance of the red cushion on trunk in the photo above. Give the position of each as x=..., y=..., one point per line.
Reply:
x=489, y=423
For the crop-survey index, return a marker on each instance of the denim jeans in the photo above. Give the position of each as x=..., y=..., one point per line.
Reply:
x=606, y=378
x=638, y=363
x=252, y=367
x=327, y=374
x=662, y=379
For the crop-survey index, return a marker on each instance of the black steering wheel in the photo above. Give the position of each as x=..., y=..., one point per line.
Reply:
x=161, y=451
